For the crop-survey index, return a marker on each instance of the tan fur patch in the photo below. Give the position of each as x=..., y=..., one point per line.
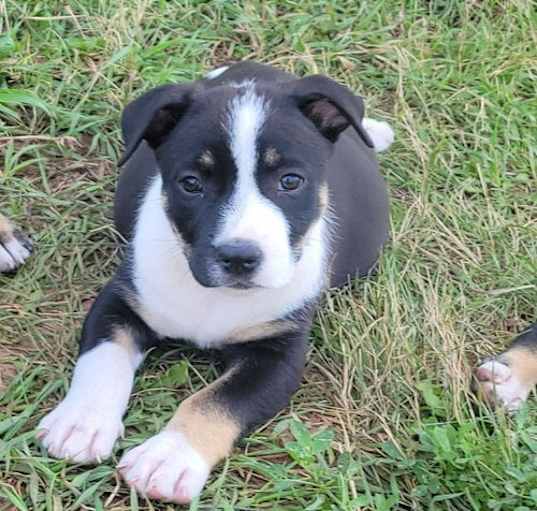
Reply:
x=164, y=200
x=208, y=427
x=129, y=295
x=271, y=157
x=523, y=363
x=262, y=331
x=207, y=158
x=125, y=337
x=6, y=227
x=323, y=197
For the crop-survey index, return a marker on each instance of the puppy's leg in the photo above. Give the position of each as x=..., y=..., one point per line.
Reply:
x=86, y=424
x=259, y=380
x=509, y=377
x=15, y=247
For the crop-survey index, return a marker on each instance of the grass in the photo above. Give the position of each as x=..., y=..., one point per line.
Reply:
x=384, y=419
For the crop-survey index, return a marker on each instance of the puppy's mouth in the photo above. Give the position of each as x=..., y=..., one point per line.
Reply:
x=223, y=281
x=236, y=285
x=241, y=285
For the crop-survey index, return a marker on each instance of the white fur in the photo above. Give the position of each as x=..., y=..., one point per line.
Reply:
x=86, y=424
x=12, y=254
x=249, y=215
x=500, y=384
x=215, y=73
x=18, y=252
x=6, y=261
x=165, y=467
x=380, y=132
x=175, y=305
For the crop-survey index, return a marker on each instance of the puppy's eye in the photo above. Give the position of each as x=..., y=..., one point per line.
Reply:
x=290, y=182
x=191, y=184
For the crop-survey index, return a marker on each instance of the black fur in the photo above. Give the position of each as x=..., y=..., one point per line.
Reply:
x=527, y=340
x=267, y=374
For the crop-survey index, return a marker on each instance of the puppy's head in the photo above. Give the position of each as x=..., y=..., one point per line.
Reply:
x=243, y=170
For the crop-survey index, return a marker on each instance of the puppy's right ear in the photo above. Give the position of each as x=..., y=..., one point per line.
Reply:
x=153, y=116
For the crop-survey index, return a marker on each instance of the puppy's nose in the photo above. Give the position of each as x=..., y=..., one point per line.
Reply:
x=239, y=257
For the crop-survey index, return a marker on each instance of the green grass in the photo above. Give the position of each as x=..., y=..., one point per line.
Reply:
x=384, y=419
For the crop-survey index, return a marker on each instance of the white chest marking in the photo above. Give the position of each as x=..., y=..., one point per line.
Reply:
x=175, y=305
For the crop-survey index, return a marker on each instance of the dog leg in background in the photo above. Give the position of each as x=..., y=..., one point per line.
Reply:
x=258, y=382
x=15, y=247
x=508, y=378
x=86, y=424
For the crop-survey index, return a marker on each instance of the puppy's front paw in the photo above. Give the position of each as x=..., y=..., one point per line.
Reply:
x=15, y=247
x=79, y=433
x=500, y=384
x=165, y=467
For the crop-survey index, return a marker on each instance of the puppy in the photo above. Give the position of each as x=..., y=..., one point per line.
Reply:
x=15, y=247
x=243, y=196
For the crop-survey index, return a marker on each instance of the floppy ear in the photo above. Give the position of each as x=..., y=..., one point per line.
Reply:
x=330, y=106
x=152, y=116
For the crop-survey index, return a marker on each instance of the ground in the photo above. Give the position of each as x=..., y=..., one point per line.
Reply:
x=385, y=418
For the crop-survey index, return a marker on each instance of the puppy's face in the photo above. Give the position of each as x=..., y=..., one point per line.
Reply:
x=243, y=170
x=243, y=177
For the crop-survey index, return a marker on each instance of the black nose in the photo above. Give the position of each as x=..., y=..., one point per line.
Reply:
x=239, y=257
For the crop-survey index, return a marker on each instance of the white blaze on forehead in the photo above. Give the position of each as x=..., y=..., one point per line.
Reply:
x=247, y=115
x=249, y=215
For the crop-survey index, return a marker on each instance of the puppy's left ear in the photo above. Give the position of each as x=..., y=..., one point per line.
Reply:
x=330, y=106
x=152, y=116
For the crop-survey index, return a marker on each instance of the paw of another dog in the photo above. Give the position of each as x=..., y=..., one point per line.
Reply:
x=165, y=467
x=499, y=384
x=15, y=247
x=82, y=434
